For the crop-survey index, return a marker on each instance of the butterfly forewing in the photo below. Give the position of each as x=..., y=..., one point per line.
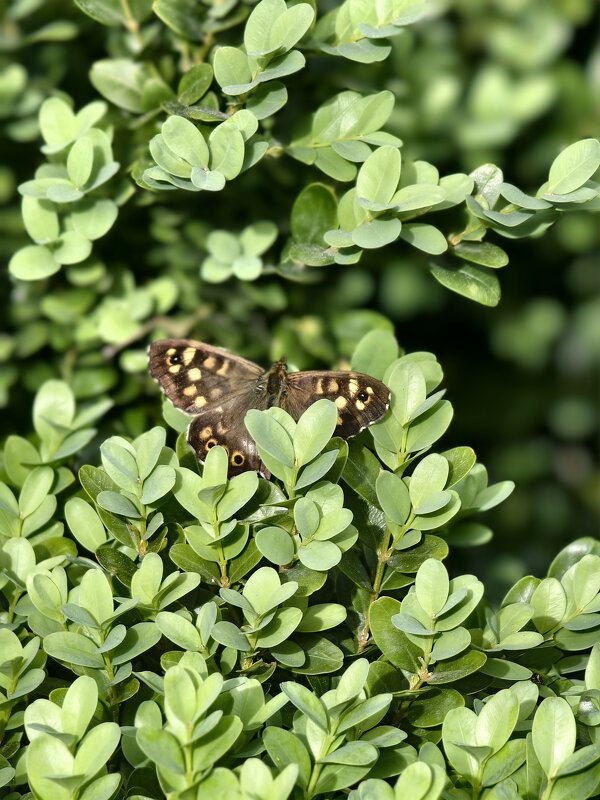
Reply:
x=360, y=399
x=194, y=375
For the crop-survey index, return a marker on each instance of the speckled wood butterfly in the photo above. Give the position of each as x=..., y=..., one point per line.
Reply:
x=218, y=388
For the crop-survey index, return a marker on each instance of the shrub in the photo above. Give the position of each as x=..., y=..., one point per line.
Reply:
x=167, y=630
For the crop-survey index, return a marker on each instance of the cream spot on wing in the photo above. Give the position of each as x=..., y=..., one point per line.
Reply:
x=332, y=386
x=174, y=369
x=195, y=374
x=341, y=402
x=369, y=389
x=215, y=392
x=359, y=405
x=352, y=386
x=188, y=355
x=199, y=402
x=210, y=362
x=319, y=387
x=339, y=421
x=221, y=429
x=171, y=351
x=219, y=409
x=206, y=433
x=224, y=368
x=190, y=390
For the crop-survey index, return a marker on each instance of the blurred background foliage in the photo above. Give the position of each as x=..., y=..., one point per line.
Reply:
x=510, y=82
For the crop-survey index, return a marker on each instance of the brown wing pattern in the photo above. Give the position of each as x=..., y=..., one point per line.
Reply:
x=360, y=399
x=219, y=387
x=194, y=375
x=215, y=386
x=224, y=425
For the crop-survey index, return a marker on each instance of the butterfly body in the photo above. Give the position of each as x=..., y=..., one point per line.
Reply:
x=218, y=388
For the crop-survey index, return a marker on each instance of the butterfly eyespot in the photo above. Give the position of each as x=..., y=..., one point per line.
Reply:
x=210, y=443
x=363, y=396
x=237, y=459
x=173, y=360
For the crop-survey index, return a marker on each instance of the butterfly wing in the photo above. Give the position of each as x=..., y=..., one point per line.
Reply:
x=194, y=375
x=224, y=425
x=218, y=388
x=360, y=399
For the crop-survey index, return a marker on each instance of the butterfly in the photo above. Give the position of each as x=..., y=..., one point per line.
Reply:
x=218, y=388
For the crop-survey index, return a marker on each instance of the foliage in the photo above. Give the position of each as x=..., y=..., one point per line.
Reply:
x=301, y=179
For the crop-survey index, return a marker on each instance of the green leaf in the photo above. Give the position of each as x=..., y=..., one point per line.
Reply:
x=185, y=140
x=455, y=669
x=430, y=709
x=273, y=27
x=394, y=644
x=483, y=253
x=470, y=281
x=228, y=634
x=553, y=734
x=71, y=248
x=270, y=436
x=275, y=544
x=162, y=748
x=424, y=237
x=58, y=124
x=73, y=648
x=429, y=477
x=361, y=472
x=80, y=161
x=182, y=17
x=35, y=489
x=504, y=762
x=158, y=484
x=226, y=150
x=497, y=719
x=432, y=586
x=194, y=83
x=313, y=430
x=117, y=504
x=376, y=233
x=353, y=754
x=322, y=617
x=314, y=213
x=107, y=12
x=40, y=220
x=32, y=263
x=92, y=219
x=306, y=702
x=374, y=353
x=267, y=100
x=282, y=66
x=574, y=166
x=393, y=497
x=378, y=177
x=84, y=524
x=121, y=81
x=96, y=748
x=232, y=70
x=284, y=748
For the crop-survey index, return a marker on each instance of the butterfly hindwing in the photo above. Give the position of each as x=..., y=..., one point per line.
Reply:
x=360, y=399
x=224, y=425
